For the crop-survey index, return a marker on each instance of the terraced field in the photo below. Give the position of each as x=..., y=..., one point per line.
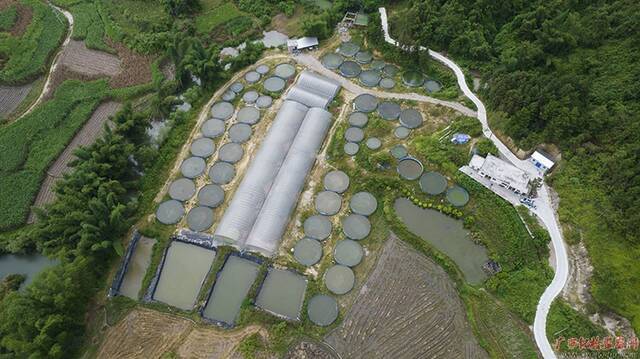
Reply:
x=86, y=136
x=78, y=58
x=408, y=308
x=11, y=97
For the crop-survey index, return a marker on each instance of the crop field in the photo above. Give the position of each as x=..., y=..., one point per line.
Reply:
x=78, y=58
x=216, y=13
x=11, y=97
x=27, y=54
x=145, y=333
x=407, y=308
x=91, y=130
x=29, y=146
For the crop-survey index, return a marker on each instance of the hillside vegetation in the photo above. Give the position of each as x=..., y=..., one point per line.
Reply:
x=562, y=72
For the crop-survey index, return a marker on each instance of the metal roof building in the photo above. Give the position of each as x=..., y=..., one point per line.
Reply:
x=259, y=212
x=501, y=172
x=542, y=160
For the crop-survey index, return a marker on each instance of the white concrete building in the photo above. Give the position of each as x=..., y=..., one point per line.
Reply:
x=542, y=160
x=303, y=43
x=503, y=173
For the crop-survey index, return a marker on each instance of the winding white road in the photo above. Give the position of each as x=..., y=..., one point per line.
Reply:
x=544, y=211
x=54, y=63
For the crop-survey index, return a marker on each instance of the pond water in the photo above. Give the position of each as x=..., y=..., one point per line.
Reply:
x=137, y=268
x=270, y=39
x=282, y=293
x=230, y=289
x=27, y=264
x=447, y=235
x=185, y=268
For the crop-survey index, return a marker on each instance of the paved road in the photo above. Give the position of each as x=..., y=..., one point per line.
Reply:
x=544, y=211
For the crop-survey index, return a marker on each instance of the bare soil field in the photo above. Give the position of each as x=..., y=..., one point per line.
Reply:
x=408, y=308
x=310, y=350
x=146, y=333
x=78, y=58
x=136, y=69
x=12, y=96
x=91, y=130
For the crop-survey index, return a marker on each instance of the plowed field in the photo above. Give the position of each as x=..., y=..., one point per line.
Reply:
x=408, y=308
x=145, y=333
x=11, y=97
x=78, y=58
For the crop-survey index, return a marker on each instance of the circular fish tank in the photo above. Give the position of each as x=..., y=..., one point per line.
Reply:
x=332, y=60
x=213, y=128
x=413, y=78
x=221, y=173
x=348, y=49
x=356, y=226
x=399, y=151
x=328, y=203
x=363, y=203
x=348, y=253
x=364, y=57
x=457, y=196
x=230, y=152
x=387, y=83
x=366, y=103
x=350, y=69
x=182, y=189
x=389, y=110
x=228, y=96
x=249, y=115
x=262, y=69
x=200, y=219
x=192, y=167
x=264, y=101
x=410, y=169
x=222, y=110
x=339, y=279
x=240, y=133
x=273, y=84
x=307, y=251
x=354, y=134
x=317, y=227
x=250, y=97
x=236, y=87
x=377, y=65
x=370, y=78
x=401, y=132
x=336, y=181
x=390, y=70
x=351, y=148
x=432, y=86
x=374, y=143
x=285, y=71
x=358, y=119
x=170, y=212
x=203, y=147
x=411, y=118
x=211, y=195
x=433, y=183
x=322, y=310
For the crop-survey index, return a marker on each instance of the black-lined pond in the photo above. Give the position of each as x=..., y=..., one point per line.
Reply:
x=447, y=235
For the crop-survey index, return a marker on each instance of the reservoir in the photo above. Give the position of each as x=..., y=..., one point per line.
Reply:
x=27, y=264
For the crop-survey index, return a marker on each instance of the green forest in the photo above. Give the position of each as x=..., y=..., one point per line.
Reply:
x=565, y=73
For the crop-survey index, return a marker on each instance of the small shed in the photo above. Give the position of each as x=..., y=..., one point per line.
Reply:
x=303, y=43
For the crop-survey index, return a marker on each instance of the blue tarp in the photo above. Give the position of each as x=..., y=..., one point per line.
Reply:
x=460, y=138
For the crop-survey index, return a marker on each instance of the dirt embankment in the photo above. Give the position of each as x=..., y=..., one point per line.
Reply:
x=146, y=333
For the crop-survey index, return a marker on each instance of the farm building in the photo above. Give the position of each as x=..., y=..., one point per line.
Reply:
x=259, y=211
x=542, y=160
x=303, y=43
x=502, y=173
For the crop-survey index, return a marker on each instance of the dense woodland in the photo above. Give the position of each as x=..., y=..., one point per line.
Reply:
x=561, y=72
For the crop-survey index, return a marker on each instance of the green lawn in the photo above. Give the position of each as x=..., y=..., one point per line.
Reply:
x=215, y=14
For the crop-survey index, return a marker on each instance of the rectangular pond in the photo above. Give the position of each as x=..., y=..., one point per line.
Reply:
x=185, y=269
x=231, y=287
x=282, y=293
x=137, y=268
x=447, y=235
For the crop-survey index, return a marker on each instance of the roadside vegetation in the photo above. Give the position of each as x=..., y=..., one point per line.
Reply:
x=561, y=73
x=25, y=55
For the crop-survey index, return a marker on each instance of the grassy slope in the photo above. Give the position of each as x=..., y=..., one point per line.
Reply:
x=214, y=13
x=28, y=55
